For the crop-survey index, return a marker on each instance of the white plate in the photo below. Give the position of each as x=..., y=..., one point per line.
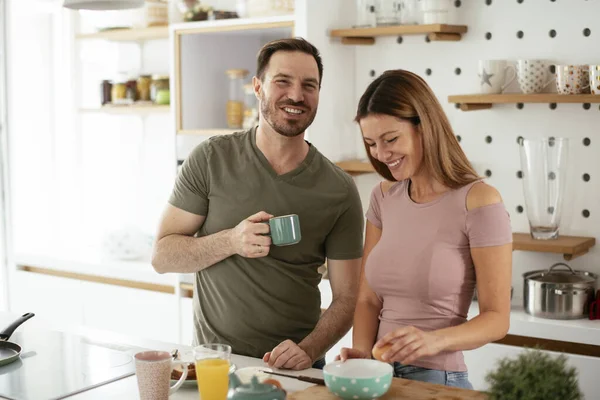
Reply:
x=245, y=374
x=187, y=383
x=194, y=383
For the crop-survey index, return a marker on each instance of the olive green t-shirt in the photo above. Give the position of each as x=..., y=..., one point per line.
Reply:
x=253, y=304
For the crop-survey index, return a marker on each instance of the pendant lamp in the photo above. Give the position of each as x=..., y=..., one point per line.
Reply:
x=102, y=4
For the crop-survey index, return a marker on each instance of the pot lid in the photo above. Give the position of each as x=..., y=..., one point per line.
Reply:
x=553, y=275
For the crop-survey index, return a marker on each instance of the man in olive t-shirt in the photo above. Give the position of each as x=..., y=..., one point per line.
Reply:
x=262, y=299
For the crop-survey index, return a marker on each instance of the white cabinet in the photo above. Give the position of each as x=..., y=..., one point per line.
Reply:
x=202, y=52
x=65, y=304
x=187, y=321
x=56, y=302
x=132, y=312
x=483, y=360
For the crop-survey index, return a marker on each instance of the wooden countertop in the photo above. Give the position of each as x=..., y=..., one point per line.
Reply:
x=400, y=389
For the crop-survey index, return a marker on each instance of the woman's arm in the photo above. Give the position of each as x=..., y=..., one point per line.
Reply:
x=368, y=305
x=493, y=268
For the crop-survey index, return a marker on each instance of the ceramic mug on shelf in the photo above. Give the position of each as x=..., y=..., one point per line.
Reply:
x=595, y=79
x=153, y=370
x=572, y=79
x=533, y=75
x=284, y=230
x=494, y=76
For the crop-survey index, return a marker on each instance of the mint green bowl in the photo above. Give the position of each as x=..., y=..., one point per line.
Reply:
x=358, y=379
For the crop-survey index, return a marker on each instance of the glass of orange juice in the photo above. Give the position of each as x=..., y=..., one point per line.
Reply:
x=212, y=370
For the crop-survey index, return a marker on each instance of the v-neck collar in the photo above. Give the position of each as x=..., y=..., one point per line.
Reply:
x=269, y=168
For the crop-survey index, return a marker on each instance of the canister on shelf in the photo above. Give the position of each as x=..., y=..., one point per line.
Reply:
x=119, y=93
x=157, y=12
x=250, y=107
x=235, y=103
x=105, y=89
x=143, y=87
x=159, y=83
x=131, y=90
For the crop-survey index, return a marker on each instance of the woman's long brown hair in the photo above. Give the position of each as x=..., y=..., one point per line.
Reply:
x=405, y=95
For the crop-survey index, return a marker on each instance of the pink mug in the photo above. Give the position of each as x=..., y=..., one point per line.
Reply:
x=153, y=370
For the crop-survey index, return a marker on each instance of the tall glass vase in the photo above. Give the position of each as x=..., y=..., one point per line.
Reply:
x=544, y=167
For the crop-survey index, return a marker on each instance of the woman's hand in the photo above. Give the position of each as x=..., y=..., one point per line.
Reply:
x=347, y=353
x=409, y=344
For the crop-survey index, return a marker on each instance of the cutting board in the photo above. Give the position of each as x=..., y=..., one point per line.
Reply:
x=400, y=389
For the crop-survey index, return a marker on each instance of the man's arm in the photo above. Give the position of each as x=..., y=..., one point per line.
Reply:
x=176, y=250
x=336, y=321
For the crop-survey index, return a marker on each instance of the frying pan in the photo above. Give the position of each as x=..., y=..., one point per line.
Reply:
x=10, y=351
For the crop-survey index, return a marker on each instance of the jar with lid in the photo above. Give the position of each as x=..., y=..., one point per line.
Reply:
x=131, y=91
x=159, y=89
x=235, y=102
x=118, y=92
x=250, y=107
x=143, y=87
x=105, y=89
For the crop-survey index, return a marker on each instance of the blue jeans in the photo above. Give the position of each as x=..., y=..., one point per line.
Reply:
x=448, y=378
x=319, y=364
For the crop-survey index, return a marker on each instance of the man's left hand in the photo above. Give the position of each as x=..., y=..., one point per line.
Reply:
x=288, y=355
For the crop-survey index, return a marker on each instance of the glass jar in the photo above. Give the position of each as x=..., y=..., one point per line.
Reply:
x=157, y=12
x=105, y=89
x=387, y=12
x=235, y=102
x=118, y=93
x=143, y=87
x=250, y=107
x=131, y=91
x=365, y=14
x=159, y=89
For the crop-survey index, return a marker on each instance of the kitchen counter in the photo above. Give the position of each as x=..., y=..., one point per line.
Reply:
x=583, y=331
x=126, y=388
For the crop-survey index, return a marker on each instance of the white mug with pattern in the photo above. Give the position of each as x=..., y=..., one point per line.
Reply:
x=533, y=75
x=595, y=79
x=572, y=79
x=495, y=76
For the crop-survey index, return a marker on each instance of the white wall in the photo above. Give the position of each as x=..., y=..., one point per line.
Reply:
x=504, y=123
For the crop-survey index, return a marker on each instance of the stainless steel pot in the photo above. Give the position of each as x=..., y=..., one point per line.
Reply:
x=558, y=294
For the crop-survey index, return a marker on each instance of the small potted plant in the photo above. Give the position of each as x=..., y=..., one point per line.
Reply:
x=534, y=375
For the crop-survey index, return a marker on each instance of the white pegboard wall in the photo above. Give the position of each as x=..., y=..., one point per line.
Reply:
x=561, y=31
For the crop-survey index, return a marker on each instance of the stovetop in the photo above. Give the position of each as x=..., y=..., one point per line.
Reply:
x=54, y=365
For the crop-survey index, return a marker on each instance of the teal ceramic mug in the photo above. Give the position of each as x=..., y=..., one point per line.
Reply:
x=285, y=230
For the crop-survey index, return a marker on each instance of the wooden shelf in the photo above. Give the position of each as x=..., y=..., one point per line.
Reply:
x=132, y=34
x=473, y=102
x=569, y=246
x=128, y=109
x=187, y=289
x=283, y=24
x=366, y=36
x=356, y=167
x=208, y=132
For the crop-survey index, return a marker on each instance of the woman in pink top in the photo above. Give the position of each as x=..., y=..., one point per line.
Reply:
x=434, y=232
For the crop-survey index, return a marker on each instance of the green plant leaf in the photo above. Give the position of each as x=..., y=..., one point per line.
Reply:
x=534, y=375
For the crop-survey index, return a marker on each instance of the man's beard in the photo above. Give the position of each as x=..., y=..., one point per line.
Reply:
x=285, y=127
